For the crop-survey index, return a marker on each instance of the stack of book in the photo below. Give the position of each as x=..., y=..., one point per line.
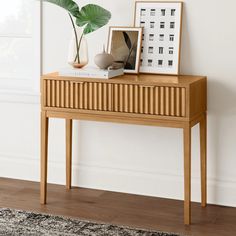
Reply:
x=91, y=72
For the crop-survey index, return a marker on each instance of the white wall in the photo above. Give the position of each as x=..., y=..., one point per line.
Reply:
x=19, y=88
x=136, y=159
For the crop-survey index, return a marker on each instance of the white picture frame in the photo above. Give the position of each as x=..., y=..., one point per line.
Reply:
x=161, y=39
x=117, y=46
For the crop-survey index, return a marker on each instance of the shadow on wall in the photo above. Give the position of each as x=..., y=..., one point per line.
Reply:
x=185, y=44
x=221, y=98
x=221, y=107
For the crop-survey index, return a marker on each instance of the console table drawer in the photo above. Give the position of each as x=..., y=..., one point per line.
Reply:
x=153, y=100
x=77, y=95
x=127, y=98
x=180, y=98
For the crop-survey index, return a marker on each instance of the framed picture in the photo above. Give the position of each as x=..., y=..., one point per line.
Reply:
x=124, y=43
x=161, y=38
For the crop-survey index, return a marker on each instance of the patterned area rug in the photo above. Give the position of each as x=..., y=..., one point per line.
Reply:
x=16, y=222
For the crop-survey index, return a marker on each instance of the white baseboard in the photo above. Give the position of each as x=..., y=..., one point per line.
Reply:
x=135, y=182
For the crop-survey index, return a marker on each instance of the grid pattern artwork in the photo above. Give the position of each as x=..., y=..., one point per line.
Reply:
x=160, y=50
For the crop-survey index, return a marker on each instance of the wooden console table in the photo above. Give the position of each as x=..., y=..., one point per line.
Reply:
x=169, y=101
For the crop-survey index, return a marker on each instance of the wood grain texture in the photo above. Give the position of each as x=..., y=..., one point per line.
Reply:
x=68, y=152
x=85, y=97
x=162, y=100
x=90, y=97
x=178, y=102
x=110, y=97
x=105, y=98
x=187, y=174
x=198, y=97
x=95, y=96
x=167, y=101
x=81, y=96
x=136, y=97
x=183, y=102
x=76, y=96
x=125, y=98
x=67, y=94
x=53, y=93
x=49, y=93
x=128, y=119
x=43, y=93
x=140, y=79
x=141, y=99
x=151, y=101
x=58, y=94
x=100, y=96
x=177, y=99
x=157, y=101
x=121, y=98
x=62, y=93
x=116, y=97
x=72, y=95
x=203, y=153
x=146, y=100
x=44, y=157
x=119, y=208
x=172, y=102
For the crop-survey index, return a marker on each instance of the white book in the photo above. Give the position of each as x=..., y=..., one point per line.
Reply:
x=91, y=72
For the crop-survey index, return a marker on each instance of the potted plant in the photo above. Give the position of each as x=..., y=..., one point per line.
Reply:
x=90, y=18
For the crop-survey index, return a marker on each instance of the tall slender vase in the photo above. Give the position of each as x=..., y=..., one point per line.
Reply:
x=78, y=50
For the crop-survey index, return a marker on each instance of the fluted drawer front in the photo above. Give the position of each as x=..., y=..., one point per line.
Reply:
x=153, y=100
x=78, y=95
x=127, y=98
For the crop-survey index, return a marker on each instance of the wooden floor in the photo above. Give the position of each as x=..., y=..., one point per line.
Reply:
x=119, y=208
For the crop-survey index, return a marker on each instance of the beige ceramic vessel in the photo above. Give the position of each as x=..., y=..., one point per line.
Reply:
x=104, y=60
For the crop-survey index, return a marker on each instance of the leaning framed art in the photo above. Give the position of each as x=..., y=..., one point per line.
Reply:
x=124, y=43
x=161, y=38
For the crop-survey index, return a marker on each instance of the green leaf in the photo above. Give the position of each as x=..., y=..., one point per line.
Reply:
x=92, y=17
x=68, y=5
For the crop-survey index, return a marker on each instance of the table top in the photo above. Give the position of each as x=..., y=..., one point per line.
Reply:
x=180, y=80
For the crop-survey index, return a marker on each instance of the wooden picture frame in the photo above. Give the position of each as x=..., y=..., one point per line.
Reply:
x=161, y=39
x=124, y=43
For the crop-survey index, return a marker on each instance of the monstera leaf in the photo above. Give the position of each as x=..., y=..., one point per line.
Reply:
x=68, y=5
x=92, y=17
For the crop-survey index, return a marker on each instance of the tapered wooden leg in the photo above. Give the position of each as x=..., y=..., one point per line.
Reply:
x=203, y=151
x=68, y=152
x=187, y=175
x=44, y=157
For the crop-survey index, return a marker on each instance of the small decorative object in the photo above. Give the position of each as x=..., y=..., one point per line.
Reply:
x=104, y=59
x=161, y=39
x=124, y=44
x=91, y=17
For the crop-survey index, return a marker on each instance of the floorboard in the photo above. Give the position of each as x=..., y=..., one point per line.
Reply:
x=119, y=208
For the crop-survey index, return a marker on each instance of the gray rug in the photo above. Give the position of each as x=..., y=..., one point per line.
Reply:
x=16, y=222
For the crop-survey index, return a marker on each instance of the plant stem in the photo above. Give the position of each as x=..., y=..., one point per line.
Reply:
x=76, y=39
x=80, y=41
